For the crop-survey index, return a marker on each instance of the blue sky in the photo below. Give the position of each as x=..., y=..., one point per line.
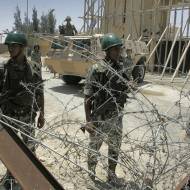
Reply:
x=63, y=8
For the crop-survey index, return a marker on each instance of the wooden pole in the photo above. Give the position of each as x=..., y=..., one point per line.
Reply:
x=156, y=45
x=23, y=165
x=149, y=42
x=128, y=37
x=180, y=61
x=169, y=55
x=139, y=38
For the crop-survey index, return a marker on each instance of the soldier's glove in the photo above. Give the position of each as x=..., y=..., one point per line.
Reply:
x=90, y=127
x=41, y=121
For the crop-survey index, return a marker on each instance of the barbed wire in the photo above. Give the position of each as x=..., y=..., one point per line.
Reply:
x=152, y=155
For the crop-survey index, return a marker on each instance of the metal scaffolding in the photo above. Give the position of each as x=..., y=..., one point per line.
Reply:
x=146, y=19
x=92, y=18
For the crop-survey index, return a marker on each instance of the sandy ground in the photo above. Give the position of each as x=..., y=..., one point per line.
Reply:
x=68, y=100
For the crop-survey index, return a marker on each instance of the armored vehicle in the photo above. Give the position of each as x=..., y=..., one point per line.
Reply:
x=72, y=56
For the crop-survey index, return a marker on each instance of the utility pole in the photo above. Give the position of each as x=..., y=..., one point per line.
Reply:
x=27, y=16
x=27, y=35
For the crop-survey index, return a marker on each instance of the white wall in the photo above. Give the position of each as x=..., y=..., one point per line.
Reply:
x=2, y=38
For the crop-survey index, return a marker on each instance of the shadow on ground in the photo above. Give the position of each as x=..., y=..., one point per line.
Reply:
x=144, y=83
x=75, y=90
x=100, y=185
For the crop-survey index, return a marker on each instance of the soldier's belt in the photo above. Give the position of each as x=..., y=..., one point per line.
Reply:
x=20, y=112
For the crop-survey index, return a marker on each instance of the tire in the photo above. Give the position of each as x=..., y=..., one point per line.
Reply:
x=70, y=79
x=138, y=72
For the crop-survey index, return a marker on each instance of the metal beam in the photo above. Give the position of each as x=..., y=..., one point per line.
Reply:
x=21, y=162
x=180, y=61
x=157, y=45
x=170, y=53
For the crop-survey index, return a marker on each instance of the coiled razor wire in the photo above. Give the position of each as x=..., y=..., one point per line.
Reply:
x=153, y=153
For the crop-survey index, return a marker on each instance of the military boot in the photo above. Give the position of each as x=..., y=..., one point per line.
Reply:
x=8, y=182
x=92, y=169
x=114, y=181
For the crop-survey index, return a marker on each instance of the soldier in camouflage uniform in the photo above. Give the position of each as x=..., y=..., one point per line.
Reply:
x=105, y=96
x=127, y=62
x=22, y=94
x=36, y=55
x=68, y=29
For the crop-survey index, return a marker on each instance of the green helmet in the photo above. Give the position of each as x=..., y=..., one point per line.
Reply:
x=36, y=46
x=16, y=38
x=110, y=40
x=68, y=18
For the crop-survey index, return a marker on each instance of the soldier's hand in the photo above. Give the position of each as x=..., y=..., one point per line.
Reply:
x=133, y=85
x=90, y=128
x=41, y=121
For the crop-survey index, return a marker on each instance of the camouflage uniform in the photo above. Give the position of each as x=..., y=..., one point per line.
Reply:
x=36, y=57
x=21, y=96
x=68, y=30
x=128, y=65
x=19, y=102
x=107, y=110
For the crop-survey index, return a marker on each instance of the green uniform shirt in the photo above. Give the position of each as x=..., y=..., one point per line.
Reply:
x=107, y=90
x=69, y=30
x=36, y=56
x=20, y=85
x=92, y=79
x=128, y=66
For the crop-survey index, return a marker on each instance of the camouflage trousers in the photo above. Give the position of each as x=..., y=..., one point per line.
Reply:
x=25, y=130
x=110, y=132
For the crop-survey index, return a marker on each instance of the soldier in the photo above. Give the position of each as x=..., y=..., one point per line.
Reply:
x=134, y=72
x=36, y=55
x=105, y=96
x=128, y=63
x=22, y=95
x=68, y=29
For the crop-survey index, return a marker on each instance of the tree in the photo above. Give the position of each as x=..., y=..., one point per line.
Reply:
x=43, y=23
x=35, y=20
x=18, y=21
x=27, y=25
x=51, y=21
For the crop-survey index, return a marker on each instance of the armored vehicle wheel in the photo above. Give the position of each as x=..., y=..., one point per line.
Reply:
x=70, y=79
x=138, y=72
